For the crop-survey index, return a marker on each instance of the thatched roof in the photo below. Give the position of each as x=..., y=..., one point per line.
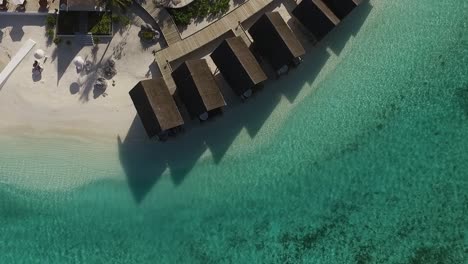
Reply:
x=275, y=40
x=238, y=65
x=313, y=18
x=341, y=8
x=197, y=87
x=155, y=106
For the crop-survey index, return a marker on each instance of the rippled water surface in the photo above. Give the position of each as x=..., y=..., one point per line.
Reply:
x=358, y=156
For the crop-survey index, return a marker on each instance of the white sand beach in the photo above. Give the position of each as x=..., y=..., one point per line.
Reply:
x=61, y=100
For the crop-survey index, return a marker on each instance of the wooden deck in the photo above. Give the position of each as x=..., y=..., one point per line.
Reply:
x=168, y=27
x=182, y=47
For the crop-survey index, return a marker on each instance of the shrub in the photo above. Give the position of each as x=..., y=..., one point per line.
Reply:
x=57, y=40
x=198, y=9
x=50, y=33
x=121, y=19
x=147, y=35
x=96, y=40
x=51, y=21
x=125, y=21
x=103, y=27
x=115, y=18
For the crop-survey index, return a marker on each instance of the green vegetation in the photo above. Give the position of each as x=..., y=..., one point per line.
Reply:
x=124, y=21
x=147, y=35
x=115, y=18
x=199, y=9
x=57, y=40
x=50, y=32
x=96, y=40
x=51, y=21
x=103, y=26
x=121, y=19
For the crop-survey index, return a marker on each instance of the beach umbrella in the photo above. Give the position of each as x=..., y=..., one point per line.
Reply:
x=17, y=2
x=78, y=61
x=39, y=54
x=176, y=2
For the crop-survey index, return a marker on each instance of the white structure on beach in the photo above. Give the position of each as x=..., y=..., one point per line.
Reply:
x=16, y=60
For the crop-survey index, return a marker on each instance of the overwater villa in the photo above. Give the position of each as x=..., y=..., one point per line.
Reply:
x=238, y=66
x=341, y=8
x=275, y=41
x=197, y=89
x=156, y=108
x=314, y=18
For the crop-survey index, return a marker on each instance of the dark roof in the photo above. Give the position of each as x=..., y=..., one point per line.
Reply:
x=312, y=17
x=238, y=65
x=155, y=106
x=197, y=87
x=274, y=40
x=341, y=8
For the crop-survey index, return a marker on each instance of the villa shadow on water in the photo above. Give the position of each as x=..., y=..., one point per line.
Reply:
x=348, y=27
x=306, y=72
x=144, y=161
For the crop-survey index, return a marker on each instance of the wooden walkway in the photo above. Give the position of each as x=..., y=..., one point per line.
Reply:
x=163, y=19
x=229, y=22
x=168, y=27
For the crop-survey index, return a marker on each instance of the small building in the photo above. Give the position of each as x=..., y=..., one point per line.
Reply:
x=275, y=41
x=341, y=8
x=313, y=18
x=197, y=89
x=238, y=66
x=84, y=18
x=156, y=107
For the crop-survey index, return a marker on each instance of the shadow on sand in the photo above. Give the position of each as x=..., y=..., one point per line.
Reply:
x=74, y=88
x=16, y=31
x=64, y=54
x=144, y=161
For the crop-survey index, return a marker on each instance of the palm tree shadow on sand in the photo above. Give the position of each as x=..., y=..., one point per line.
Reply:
x=144, y=161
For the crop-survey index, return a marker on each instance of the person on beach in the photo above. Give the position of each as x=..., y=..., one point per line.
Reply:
x=37, y=67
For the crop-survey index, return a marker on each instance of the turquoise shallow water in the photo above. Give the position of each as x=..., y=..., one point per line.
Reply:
x=366, y=163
